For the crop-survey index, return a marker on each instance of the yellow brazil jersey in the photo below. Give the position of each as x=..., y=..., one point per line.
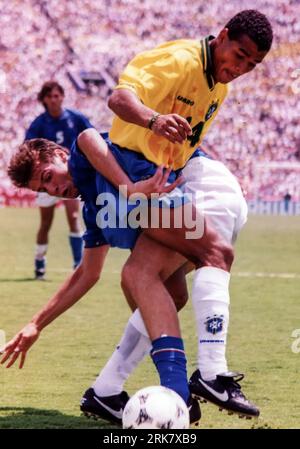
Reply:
x=175, y=77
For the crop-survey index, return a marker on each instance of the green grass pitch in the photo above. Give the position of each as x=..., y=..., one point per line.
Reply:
x=265, y=309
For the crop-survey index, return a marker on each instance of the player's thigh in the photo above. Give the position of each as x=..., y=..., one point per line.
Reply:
x=150, y=258
x=217, y=193
x=201, y=245
x=72, y=207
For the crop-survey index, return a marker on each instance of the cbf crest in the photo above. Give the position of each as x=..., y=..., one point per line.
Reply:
x=214, y=324
x=212, y=108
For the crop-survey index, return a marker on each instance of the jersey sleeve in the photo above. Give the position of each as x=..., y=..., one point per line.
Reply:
x=152, y=81
x=34, y=130
x=83, y=122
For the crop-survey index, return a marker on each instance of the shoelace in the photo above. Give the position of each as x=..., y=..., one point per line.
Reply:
x=234, y=386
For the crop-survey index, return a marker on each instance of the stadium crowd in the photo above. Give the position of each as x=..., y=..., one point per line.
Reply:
x=258, y=124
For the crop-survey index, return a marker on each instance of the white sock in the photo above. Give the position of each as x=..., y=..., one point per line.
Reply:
x=129, y=353
x=40, y=251
x=210, y=296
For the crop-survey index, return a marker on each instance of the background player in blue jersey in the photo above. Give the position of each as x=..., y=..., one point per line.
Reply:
x=61, y=126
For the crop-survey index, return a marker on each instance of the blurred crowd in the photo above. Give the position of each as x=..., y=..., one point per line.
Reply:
x=258, y=124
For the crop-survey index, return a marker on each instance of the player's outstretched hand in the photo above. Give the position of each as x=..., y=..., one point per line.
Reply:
x=156, y=184
x=173, y=127
x=19, y=345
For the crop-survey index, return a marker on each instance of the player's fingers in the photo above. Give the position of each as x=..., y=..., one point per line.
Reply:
x=12, y=343
x=184, y=123
x=9, y=349
x=170, y=137
x=172, y=186
x=22, y=361
x=158, y=174
x=14, y=357
x=174, y=131
x=182, y=132
x=165, y=177
x=6, y=356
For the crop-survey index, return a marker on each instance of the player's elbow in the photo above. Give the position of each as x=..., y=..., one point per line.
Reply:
x=113, y=100
x=85, y=136
x=118, y=100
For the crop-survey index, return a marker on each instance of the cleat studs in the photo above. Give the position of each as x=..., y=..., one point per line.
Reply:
x=241, y=416
x=220, y=409
x=230, y=413
x=248, y=417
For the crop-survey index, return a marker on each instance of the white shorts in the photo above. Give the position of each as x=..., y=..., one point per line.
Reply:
x=220, y=199
x=45, y=200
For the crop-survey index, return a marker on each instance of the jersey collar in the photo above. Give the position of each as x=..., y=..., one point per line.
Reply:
x=207, y=61
x=63, y=115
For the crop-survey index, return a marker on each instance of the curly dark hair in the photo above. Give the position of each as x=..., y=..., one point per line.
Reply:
x=255, y=25
x=30, y=153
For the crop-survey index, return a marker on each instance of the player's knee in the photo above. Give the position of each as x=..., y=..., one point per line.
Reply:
x=219, y=255
x=128, y=276
x=228, y=255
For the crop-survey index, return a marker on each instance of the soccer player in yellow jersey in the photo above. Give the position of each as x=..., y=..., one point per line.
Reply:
x=173, y=80
x=164, y=103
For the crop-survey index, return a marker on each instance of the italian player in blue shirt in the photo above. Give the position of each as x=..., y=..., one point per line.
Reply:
x=42, y=166
x=62, y=126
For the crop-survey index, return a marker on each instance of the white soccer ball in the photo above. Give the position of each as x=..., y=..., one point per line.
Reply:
x=156, y=408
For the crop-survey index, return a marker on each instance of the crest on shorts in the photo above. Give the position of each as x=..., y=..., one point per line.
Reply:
x=212, y=108
x=214, y=324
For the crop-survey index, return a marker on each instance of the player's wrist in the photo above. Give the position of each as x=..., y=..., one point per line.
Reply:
x=36, y=322
x=152, y=120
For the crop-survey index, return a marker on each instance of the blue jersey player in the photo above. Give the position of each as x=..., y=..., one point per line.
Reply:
x=61, y=126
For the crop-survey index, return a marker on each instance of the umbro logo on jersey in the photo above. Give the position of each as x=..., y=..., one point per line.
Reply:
x=185, y=100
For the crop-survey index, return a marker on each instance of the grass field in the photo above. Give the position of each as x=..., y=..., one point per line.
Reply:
x=265, y=309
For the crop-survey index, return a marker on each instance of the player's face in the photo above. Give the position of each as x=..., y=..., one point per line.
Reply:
x=233, y=58
x=53, y=178
x=53, y=102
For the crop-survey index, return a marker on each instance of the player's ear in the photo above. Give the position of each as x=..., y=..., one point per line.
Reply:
x=61, y=153
x=222, y=36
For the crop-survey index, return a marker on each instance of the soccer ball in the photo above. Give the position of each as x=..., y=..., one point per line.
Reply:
x=156, y=408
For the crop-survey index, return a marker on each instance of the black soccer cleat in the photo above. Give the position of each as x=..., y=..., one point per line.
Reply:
x=225, y=392
x=109, y=408
x=194, y=411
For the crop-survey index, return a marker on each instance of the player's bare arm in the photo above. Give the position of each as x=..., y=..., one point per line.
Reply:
x=129, y=108
x=73, y=289
x=99, y=155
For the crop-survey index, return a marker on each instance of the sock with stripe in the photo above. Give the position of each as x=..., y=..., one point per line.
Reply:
x=76, y=244
x=169, y=358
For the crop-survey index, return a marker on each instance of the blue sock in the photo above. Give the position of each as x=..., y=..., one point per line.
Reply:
x=76, y=246
x=169, y=358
